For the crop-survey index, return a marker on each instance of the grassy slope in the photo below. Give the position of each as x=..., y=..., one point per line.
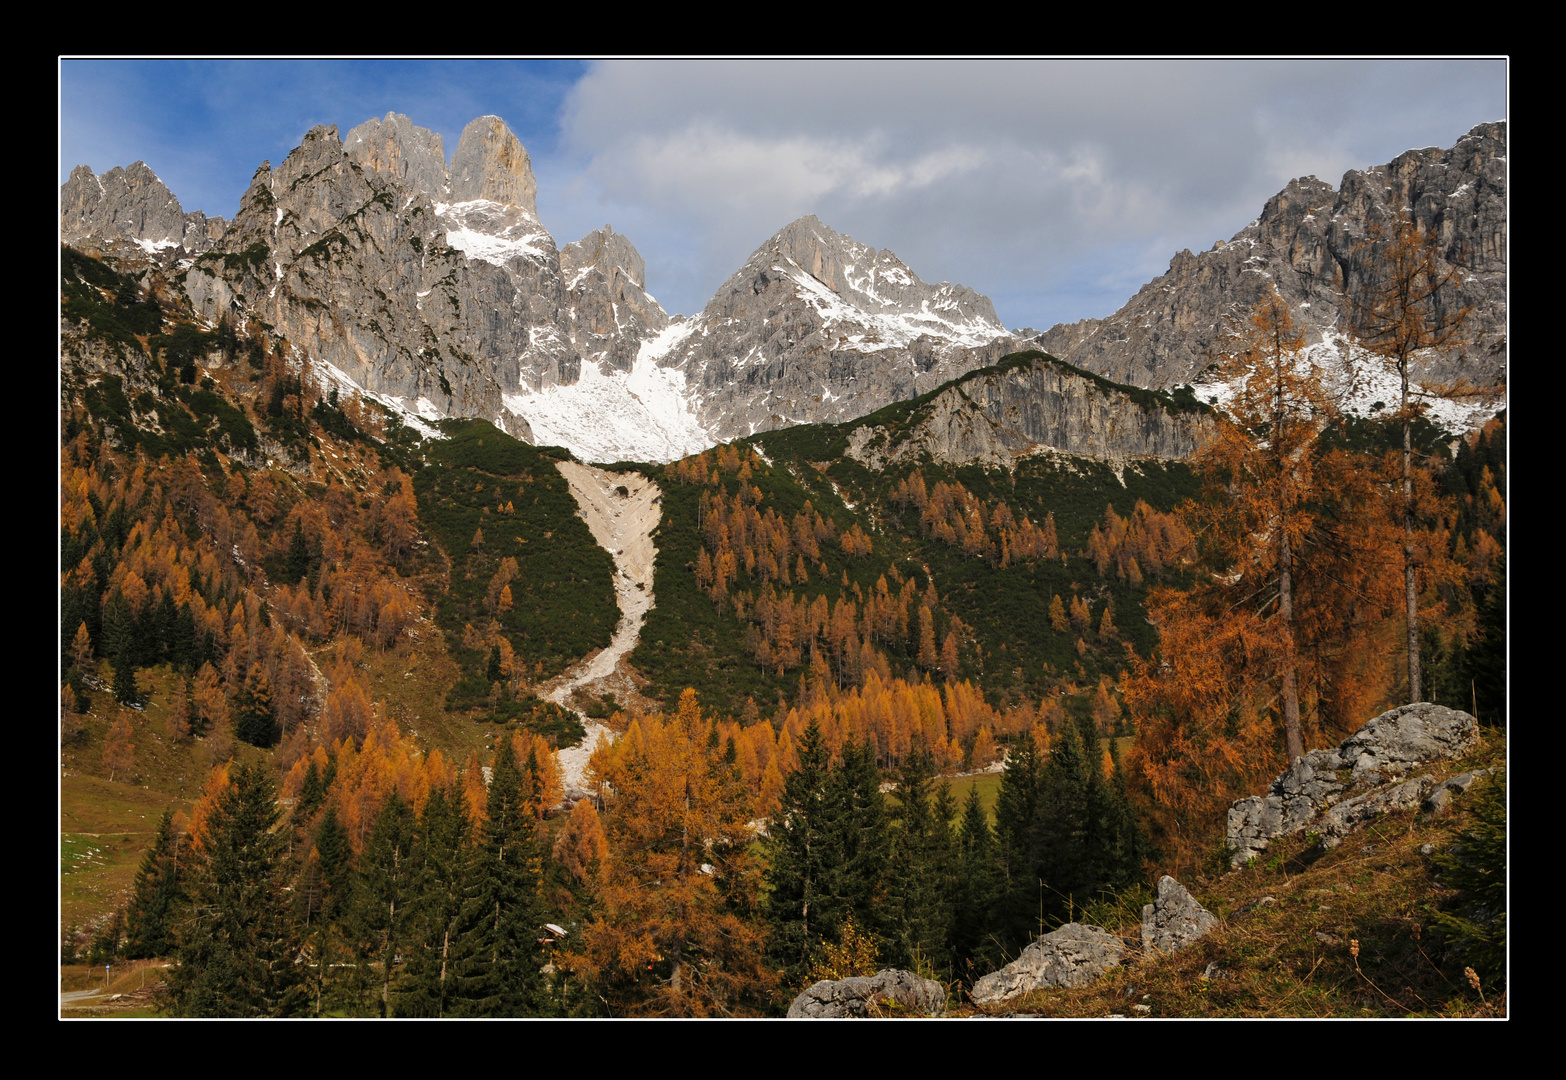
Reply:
x=1287, y=924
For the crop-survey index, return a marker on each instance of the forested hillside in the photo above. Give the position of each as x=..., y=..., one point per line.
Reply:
x=309, y=757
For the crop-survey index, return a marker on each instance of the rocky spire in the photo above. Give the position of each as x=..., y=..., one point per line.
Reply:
x=610, y=312
x=395, y=147
x=491, y=164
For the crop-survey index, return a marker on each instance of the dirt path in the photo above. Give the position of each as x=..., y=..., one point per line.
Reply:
x=621, y=511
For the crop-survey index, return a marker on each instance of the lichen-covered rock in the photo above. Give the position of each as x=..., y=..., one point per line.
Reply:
x=1174, y=919
x=1407, y=736
x=1335, y=791
x=1342, y=818
x=1074, y=955
x=889, y=992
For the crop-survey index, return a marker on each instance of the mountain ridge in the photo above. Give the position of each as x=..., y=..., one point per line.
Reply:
x=437, y=290
x=1309, y=243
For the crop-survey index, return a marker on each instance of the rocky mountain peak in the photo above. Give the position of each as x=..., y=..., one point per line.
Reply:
x=130, y=204
x=610, y=313
x=490, y=163
x=396, y=147
x=606, y=251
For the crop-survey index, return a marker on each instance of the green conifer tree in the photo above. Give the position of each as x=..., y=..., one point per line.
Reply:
x=237, y=948
x=150, y=918
x=383, y=893
x=920, y=881
x=799, y=861
x=255, y=720
x=429, y=984
x=973, y=941
x=500, y=970
x=1017, y=913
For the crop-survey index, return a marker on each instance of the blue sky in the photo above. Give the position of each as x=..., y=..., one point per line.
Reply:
x=1055, y=187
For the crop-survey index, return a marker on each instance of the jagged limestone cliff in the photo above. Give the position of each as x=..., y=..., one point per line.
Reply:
x=131, y=204
x=1308, y=244
x=1031, y=404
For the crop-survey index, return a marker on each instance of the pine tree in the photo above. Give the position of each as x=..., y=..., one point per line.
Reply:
x=237, y=948
x=979, y=890
x=799, y=857
x=920, y=877
x=321, y=894
x=1066, y=831
x=429, y=984
x=150, y=918
x=856, y=828
x=382, y=896
x=255, y=721
x=500, y=968
x=297, y=564
x=1016, y=914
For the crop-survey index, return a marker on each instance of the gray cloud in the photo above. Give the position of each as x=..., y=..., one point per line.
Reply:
x=1056, y=187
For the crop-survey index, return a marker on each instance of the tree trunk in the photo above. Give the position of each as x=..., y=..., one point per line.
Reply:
x=1294, y=742
x=1411, y=593
x=445, y=949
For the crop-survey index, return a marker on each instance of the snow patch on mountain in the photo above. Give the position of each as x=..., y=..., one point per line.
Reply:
x=1363, y=386
x=641, y=415
x=415, y=416
x=871, y=331
x=668, y=339
x=492, y=232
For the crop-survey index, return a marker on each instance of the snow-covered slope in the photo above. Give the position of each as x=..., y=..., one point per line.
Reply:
x=607, y=415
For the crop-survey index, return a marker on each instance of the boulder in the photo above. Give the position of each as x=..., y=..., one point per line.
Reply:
x=1314, y=793
x=1442, y=793
x=1074, y=955
x=886, y=992
x=1174, y=919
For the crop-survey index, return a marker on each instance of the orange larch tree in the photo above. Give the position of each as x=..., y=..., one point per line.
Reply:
x=1282, y=630
x=670, y=938
x=1406, y=305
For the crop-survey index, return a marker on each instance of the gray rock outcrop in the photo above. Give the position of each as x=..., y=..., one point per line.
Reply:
x=349, y=252
x=888, y=992
x=1074, y=955
x=1332, y=792
x=397, y=148
x=1441, y=795
x=1306, y=242
x=1174, y=919
x=490, y=163
x=993, y=418
x=609, y=310
x=131, y=205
